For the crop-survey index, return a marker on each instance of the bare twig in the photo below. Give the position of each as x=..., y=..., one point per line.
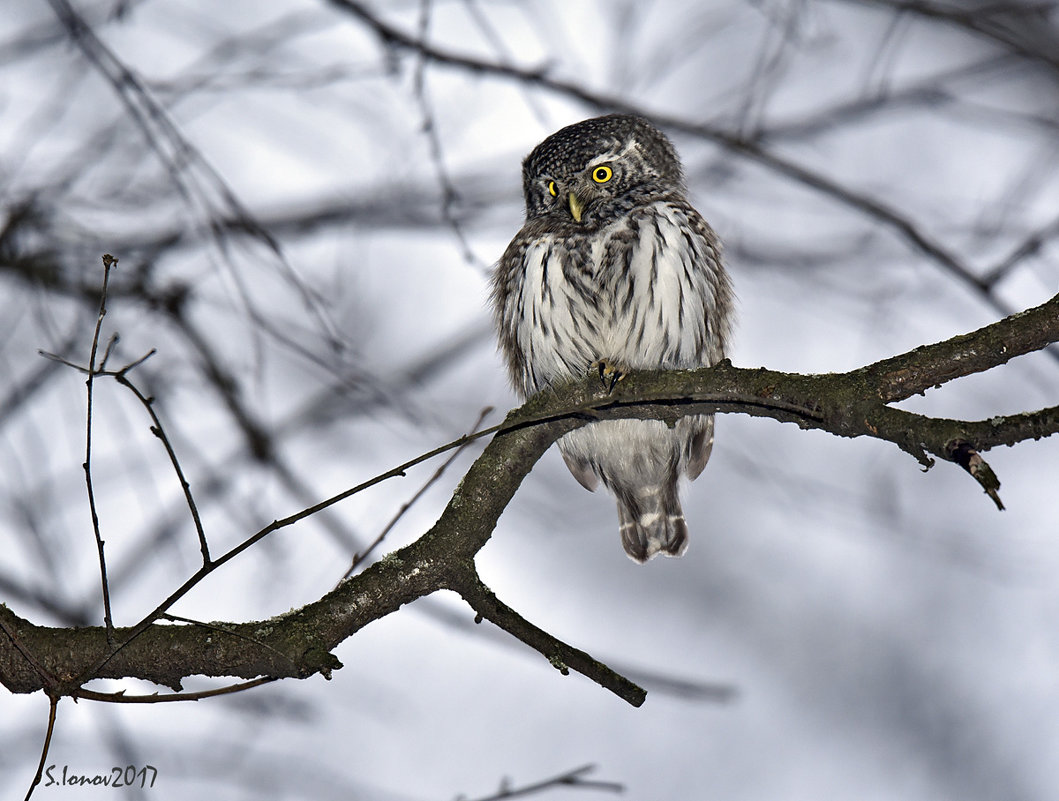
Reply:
x=1028, y=247
x=161, y=698
x=108, y=262
x=360, y=557
x=571, y=778
x=136, y=630
x=53, y=703
x=122, y=377
x=449, y=196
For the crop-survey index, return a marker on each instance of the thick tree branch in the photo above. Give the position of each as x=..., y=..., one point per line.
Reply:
x=562, y=656
x=901, y=377
x=299, y=643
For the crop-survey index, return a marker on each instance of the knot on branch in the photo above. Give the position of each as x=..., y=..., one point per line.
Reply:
x=320, y=660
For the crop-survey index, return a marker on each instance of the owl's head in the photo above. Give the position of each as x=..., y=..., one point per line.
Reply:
x=595, y=171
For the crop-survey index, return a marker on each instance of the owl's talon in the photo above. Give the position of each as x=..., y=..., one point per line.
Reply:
x=609, y=373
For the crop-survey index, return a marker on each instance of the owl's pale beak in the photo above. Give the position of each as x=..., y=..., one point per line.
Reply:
x=577, y=208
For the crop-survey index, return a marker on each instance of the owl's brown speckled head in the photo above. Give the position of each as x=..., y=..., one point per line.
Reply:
x=599, y=169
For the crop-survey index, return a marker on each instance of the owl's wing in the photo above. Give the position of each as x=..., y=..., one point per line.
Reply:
x=583, y=472
x=506, y=284
x=699, y=449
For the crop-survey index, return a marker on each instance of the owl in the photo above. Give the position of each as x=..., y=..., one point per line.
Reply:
x=613, y=269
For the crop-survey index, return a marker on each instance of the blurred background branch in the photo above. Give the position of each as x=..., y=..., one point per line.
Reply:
x=306, y=196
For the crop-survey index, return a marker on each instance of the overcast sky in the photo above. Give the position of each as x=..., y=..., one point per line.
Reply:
x=306, y=215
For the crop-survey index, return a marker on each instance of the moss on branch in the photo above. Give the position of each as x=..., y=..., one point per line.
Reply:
x=299, y=643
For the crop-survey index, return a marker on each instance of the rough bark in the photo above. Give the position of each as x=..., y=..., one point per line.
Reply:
x=300, y=643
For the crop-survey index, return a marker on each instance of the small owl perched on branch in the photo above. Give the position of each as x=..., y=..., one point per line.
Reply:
x=613, y=268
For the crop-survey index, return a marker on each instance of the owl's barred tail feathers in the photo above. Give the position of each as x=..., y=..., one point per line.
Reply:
x=652, y=523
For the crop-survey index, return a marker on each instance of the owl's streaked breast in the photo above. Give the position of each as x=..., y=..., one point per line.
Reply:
x=614, y=265
x=632, y=292
x=557, y=318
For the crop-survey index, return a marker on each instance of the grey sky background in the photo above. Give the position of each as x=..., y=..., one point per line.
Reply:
x=306, y=215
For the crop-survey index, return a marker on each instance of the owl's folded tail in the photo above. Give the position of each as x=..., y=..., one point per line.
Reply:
x=651, y=523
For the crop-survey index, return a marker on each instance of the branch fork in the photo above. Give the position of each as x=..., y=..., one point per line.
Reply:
x=856, y=403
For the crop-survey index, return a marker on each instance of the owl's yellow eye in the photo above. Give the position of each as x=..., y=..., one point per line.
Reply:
x=602, y=174
x=553, y=190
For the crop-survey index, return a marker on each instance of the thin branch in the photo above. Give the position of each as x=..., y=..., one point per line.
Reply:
x=19, y=393
x=122, y=377
x=429, y=125
x=53, y=703
x=360, y=557
x=932, y=90
x=161, y=698
x=1028, y=247
x=136, y=630
x=108, y=262
x=571, y=778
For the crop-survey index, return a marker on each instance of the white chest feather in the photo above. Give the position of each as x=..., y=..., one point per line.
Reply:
x=637, y=293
